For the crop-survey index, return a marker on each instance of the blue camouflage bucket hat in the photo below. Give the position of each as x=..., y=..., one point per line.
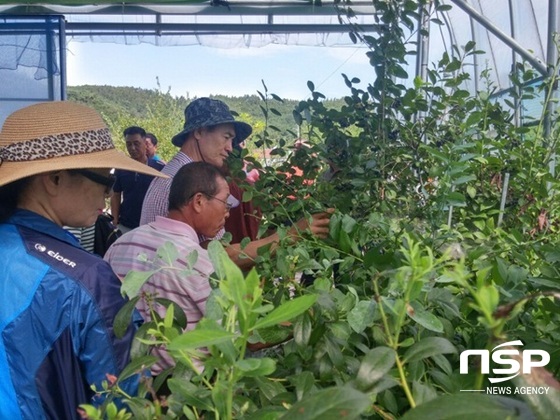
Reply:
x=206, y=112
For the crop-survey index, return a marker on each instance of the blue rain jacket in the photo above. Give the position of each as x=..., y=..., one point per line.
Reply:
x=57, y=306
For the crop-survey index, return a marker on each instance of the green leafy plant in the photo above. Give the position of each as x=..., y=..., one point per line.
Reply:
x=444, y=239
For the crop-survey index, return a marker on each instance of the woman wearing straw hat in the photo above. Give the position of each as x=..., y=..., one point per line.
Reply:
x=57, y=301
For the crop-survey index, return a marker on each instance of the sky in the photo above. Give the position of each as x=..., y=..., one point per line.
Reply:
x=195, y=71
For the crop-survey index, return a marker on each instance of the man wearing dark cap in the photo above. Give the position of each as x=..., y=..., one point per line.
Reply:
x=209, y=135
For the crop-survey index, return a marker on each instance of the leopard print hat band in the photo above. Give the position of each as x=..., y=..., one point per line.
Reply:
x=58, y=145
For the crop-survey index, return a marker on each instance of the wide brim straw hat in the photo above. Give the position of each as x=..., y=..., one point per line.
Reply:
x=51, y=136
x=207, y=112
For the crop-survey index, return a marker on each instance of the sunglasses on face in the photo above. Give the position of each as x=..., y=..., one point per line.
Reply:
x=229, y=206
x=107, y=181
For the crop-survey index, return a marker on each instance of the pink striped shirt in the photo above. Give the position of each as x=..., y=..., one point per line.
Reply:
x=156, y=200
x=190, y=291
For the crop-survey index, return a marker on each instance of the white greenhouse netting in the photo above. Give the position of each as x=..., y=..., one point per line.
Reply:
x=508, y=31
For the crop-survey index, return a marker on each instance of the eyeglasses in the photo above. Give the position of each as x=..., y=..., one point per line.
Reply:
x=108, y=182
x=229, y=206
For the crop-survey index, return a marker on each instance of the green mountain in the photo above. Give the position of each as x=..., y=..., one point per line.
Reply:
x=138, y=104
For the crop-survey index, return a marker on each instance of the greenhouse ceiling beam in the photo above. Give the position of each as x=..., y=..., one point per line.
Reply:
x=95, y=28
x=506, y=39
x=360, y=7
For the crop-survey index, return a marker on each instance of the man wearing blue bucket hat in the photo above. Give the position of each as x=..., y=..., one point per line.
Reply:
x=209, y=135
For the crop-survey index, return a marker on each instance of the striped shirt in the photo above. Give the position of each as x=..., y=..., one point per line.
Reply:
x=156, y=199
x=189, y=291
x=84, y=235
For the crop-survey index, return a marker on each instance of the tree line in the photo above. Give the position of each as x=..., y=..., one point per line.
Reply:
x=162, y=113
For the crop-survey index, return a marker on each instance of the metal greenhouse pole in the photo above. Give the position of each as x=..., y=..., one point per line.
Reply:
x=423, y=42
x=516, y=116
x=551, y=60
x=545, y=70
x=506, y=39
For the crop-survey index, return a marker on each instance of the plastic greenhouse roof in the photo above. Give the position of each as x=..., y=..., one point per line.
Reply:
x=508, y=31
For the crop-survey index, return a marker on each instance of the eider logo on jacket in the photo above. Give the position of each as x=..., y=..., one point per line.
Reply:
x=40, y=247
x=55, y=255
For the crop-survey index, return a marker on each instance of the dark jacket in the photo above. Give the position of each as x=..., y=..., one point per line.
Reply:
x=57, y=306
x=133, y=186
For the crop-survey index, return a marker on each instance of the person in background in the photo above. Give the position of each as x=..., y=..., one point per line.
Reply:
x=57, y=301
x=131, y=187
x=197, y=207
x=209, y=135
x=84, y=235
x=99, y=237
x=151, y=147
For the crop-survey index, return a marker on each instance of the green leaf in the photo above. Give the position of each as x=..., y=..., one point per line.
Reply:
x=443, y=7
x=194, y=339
x=400, y=72
x=268, y=388
x=428, y=347
x=344, y=242
x=465, y=406
x=488, y=297
x=469, y=46
x=257, y=366
x=189, y=393
x=137, y=365
x=111, y=410
x=302, y=330
x=124, y=317
x=464, y=179
x=168, y=253
x=453, y=66
x=436, y=154
x=348, y=223
x=455, y=199
x=287, y=311
x=232, y=283
x=224, y=266
x=134, y=281
x=192, y=258
x=178, y=312
x=303, y=382
x=274, y=334
x=423, y=393
x=375, y=364
x=329, y=404
x=428, y=320
x=361, y=316
x=247, y=196
x=378, y=258
x=168, y=320
x=219, y=397
x=252, y=283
